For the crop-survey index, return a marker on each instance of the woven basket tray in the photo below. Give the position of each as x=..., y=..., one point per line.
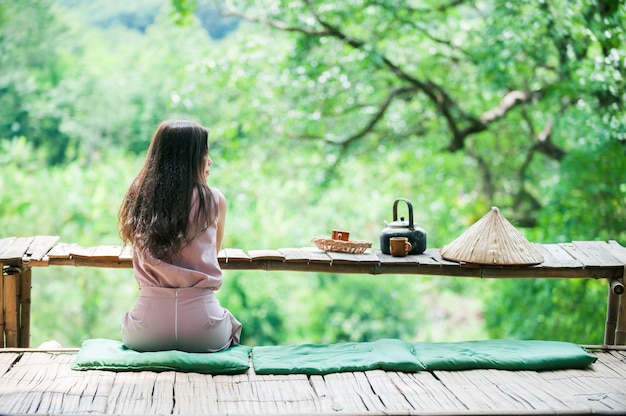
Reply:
x=351, y=246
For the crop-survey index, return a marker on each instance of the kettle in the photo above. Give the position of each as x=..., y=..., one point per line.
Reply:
x=402, y=228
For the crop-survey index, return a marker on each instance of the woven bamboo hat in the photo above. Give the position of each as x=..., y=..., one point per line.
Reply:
x=492, y=240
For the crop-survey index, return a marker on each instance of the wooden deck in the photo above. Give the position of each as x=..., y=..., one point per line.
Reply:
x=41, y=382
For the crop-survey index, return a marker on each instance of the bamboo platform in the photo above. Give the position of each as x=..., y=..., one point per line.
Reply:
x=575, y=260
x=41, y=382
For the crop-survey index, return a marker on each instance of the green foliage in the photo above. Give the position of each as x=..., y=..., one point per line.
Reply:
x=525, y=309
x=302, y=145
x=590, y=202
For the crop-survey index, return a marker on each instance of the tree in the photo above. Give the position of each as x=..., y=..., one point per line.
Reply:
x=530, y=93
x=500, y=81
x=31, y=71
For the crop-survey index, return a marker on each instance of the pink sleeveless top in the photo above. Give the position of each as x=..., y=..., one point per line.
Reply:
x=196, y=265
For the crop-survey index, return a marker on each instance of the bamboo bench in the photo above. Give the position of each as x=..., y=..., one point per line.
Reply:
x=578, y=259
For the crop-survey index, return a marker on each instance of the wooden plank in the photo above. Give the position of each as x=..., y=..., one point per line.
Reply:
x=61, y=250
x=16, y=250
x=127, y=253
x=135, y=394
x=80, y=252
x=389, y=259
x=40, y=247
x=435, y=255
x=4, y=243
x=275, y=394
x=583, y=389
x=348, y=395
x=325, y=400
x=97, y=385
x=549, y=260
x=39, y=380
x=294, y=255
x=237, y=395
x=339, y=257
x=64, y=392
x=425, y=393
x=532, y=395
x=7, y=360
x=585, y=258
x=195, y=394
x=22, y=384
x=599, y=251
x=610, y=364
x=391, y=398
x=107, y=253
x=265, y=255
x=562, y=256
x=315, y=255
x=162, y=399
x=478, y=392
x=617, y=250
x=430, y=257
x=235, y=254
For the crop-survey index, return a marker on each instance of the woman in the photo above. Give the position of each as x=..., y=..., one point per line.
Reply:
x=175, y=222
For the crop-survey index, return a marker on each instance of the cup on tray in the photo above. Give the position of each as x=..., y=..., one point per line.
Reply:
x=341, y=235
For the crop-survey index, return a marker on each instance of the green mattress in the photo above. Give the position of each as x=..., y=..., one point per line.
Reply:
x=385, y=354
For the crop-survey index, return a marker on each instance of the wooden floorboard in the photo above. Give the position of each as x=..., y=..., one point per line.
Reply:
x=43, y=383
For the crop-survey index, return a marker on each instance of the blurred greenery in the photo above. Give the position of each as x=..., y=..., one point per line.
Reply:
x=321, y=114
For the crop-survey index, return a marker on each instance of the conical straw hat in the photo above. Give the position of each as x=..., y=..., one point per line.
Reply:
x=492, y=240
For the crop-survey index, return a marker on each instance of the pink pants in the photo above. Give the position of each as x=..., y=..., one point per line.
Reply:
x=186, y=319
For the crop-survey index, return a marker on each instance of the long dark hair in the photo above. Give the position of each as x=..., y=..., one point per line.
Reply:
x=155, y=213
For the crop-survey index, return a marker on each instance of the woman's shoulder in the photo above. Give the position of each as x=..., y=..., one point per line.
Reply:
x=207, y=192
x=216, y=195
x=212, y=198
x=215, y=191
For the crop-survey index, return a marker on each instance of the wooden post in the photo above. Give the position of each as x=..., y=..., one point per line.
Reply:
x=2, y=341
x=11, y=308
x=620, y=329
x=612, y=311
x=25, y=302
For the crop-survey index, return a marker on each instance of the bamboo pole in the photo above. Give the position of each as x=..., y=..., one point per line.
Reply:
x=612, y=310
x=620, y=330
x=11, y=308
x=617, y=286
x=24, y=308
x=2, y=341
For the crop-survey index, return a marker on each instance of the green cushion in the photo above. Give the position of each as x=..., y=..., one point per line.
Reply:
x=395, y=355
x=503, y=355
x=385, y=354
x=106, y=354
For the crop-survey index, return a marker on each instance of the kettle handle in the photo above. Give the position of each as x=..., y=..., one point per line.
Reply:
x=395, y=211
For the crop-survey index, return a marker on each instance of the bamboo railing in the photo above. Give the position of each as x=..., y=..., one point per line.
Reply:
x=578, y=259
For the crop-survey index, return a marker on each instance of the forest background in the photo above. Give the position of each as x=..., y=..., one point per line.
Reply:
x=322, y=113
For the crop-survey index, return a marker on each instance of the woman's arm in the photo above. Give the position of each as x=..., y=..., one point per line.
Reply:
x=221, y=220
